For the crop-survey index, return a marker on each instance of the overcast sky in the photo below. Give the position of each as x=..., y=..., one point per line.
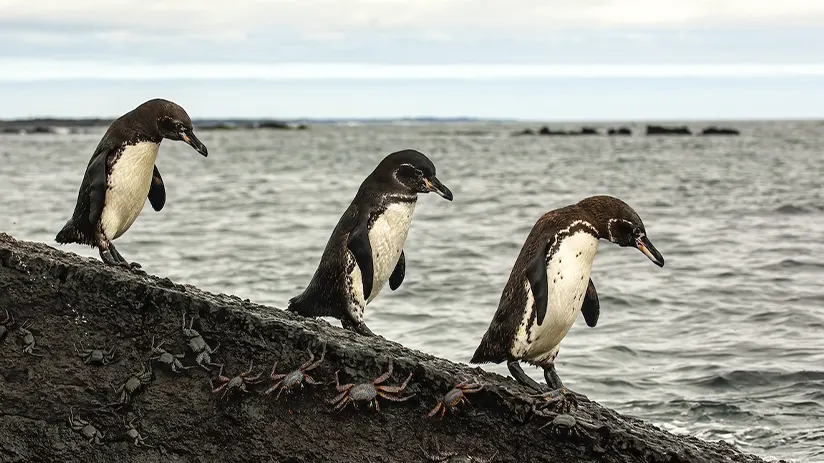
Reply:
x=539, y=59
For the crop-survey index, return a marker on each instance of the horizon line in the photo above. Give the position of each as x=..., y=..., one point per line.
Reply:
x=442, y=119
x=28, y=70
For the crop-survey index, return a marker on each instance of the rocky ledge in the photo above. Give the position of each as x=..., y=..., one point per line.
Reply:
x=63, y=301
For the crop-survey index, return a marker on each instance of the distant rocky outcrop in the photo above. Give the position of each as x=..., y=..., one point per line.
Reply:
x=664, y=130
x=250, y=125
x=619, y=131
x=545, y=130
x=713, y=130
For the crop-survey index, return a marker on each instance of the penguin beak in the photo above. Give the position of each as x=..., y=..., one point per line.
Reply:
x=435, y=185
x=644, y=245
x=190, y=138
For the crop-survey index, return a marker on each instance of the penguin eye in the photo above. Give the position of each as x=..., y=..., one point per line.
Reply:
x=408, y=171
x=167, y=125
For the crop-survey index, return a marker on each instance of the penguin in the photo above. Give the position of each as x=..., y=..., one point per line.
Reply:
x=122, y=174
x=550, y=283
x=366, y=247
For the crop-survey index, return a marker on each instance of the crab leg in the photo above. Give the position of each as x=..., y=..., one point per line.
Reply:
x=435, y=410
x=344, y=401
x=384, y=376
x=394, y=398
x=340, y=396
x=273, y=388
x=396, y=389
x=338, y=386
x=308, y=362
x=221, y=387
x=316, y=364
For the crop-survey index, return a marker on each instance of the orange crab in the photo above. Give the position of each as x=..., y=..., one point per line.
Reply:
x=369, y=392
x=454, y=397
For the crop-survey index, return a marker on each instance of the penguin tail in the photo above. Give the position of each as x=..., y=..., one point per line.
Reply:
x=487, y=353
x=479, y=357
x=72, y=232
x=305, y=306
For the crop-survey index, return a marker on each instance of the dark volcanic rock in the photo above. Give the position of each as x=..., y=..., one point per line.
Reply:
x=662, y=130
x=620, y=131
x=68, y=299
x=275, y=125
x=545, y=130
x=713, y=130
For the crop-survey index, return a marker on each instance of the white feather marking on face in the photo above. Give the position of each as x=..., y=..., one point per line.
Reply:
x=128, y=187
x=609, y=227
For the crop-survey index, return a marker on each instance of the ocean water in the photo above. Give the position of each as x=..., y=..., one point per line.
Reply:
x=725, y=342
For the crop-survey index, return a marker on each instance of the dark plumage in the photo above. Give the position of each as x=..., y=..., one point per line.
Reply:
x=553, y=271
x=366, y=247
x=137, y=136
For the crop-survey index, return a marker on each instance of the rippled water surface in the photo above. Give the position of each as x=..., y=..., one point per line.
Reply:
x=725, y=342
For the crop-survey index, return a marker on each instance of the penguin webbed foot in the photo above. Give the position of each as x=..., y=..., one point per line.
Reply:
x=108, y=258
x=520, y=376
x=357, y=327
x=111, y=256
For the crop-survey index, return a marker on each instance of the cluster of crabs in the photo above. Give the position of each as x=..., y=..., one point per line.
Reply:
x=280, y=382
x=130, y=388
x=350, y=393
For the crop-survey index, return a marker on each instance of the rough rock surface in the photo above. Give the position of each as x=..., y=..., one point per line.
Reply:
x=68, y=299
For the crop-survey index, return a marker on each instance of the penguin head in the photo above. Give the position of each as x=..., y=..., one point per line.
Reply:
x=620, y=224
x=414, y=172
x=174, y=123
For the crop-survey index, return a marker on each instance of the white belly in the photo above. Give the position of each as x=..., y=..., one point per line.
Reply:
x=568, y=274
x=387, y=238
x=128, y=188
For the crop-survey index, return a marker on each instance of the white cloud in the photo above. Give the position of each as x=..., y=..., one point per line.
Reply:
x=22, y=70
x=517, y=17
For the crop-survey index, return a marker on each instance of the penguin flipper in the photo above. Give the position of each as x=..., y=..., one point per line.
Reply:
x=157, y=191
x=97, y=176
x=361, y=249
x=536, y=274
x=591, y=308
x=396, y=278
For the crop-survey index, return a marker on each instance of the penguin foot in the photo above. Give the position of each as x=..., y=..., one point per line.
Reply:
x=136, y=268
x=552, y=379
x=357, y=327
x=108, y=258
x=557, y=400
x=519, y=374
x=121, y=261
